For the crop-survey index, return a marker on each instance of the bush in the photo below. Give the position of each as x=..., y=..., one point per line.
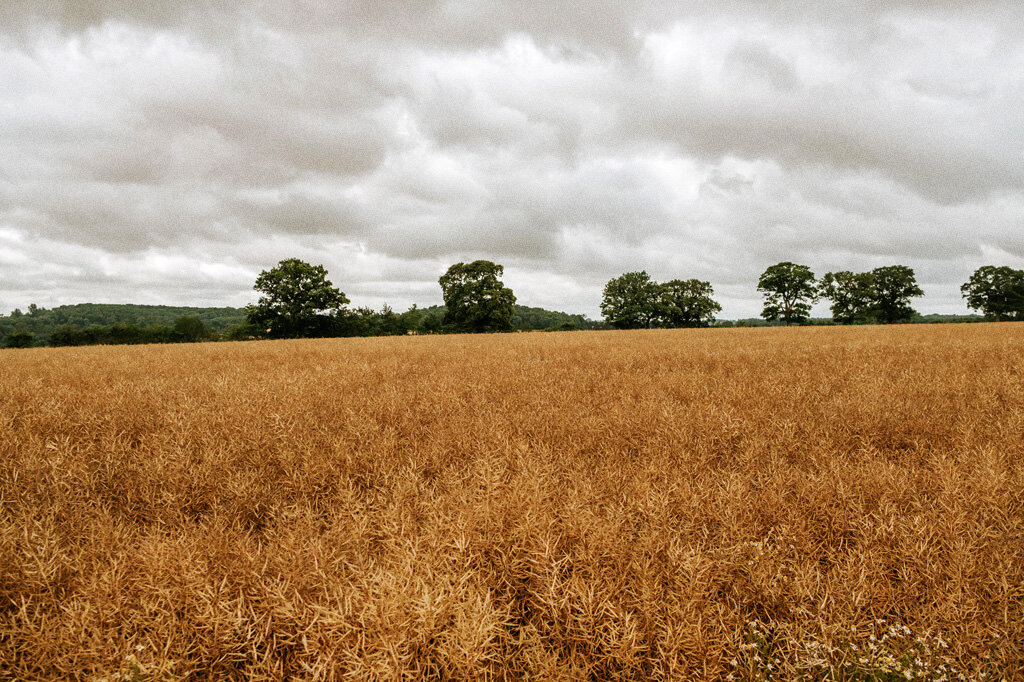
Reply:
x=20, y=340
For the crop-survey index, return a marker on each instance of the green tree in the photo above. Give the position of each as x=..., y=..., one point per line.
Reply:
x=298, y=300
x=687, y=303
x=244, y=331
x=998, y=292
x=411, y=319
x=475, y=298
x=789, y=291
x=852, y=295
x=431, y=324
x=20, y=339
x=894, y=286
x=191, y=328
x=631, y=301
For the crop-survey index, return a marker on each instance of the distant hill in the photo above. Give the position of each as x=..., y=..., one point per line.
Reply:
x=41, y=322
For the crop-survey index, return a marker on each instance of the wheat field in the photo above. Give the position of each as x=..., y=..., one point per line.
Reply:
x=832, y=503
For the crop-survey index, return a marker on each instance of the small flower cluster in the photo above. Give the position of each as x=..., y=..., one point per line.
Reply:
x=892, y=651
x=759, y=656
x=886, y=651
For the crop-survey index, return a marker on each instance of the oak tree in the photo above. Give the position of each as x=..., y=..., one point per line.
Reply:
x=789, y=291
x=687, y=303
x=631, y=301
x=298, y=301
x=998, y=292
x=894, y=286
x=475, y=298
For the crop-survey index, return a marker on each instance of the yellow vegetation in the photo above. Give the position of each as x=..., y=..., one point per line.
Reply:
x=686, y=504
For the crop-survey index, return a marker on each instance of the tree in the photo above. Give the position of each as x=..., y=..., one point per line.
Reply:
x=789, y=291
x=894, y=286
x=475, y=299
x=244, y=331
x=687, y=303
x=20, y=339
x=631, y=301
x=298, y=300
x=852, y=295
x=998, y=292
x=191, y=328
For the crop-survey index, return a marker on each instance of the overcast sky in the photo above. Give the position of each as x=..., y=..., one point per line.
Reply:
x=167, y=152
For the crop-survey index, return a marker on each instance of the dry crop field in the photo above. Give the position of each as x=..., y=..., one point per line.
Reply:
x=695, y=504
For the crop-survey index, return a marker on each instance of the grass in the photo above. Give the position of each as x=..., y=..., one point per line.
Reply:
x=591, y=505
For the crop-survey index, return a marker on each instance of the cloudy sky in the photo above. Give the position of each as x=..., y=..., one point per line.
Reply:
x=156, y=152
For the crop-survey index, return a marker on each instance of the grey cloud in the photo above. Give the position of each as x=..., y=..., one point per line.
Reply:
x=757, y=61
x=607, y=24
x=930, y=159
x=182, y=147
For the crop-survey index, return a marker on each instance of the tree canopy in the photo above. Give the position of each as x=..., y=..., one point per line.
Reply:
x=882, y=295
x=475, y=298
x=852, y=295
x=635, y=301
x=298, y=300
x=631, y=301
x=998, y=292
x=687, y=303
x=789, y=291
x=894, y=286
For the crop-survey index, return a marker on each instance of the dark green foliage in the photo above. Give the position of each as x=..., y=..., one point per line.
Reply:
x=936, y=318
x=635, y=301
x=882, y=295
x=789, y=291
x=432, y=320
x=185, y=329
x=192, y=329
x=524, y=318
x=365, y=321
x=124, y=333
x=998, y=292
x=527, y=318
x=20, y=339
x=362, y=321
x=244, y=331
x=852, y=295
x=44, y=323
x=687, y=303
x=67, y=335
x=298, y=301
x=631, y=301
x=475, y=298
x=894, y=286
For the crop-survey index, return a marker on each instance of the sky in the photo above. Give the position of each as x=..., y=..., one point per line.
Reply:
x=166, y=153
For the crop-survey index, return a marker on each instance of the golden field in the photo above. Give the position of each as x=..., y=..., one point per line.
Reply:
x=692, y=504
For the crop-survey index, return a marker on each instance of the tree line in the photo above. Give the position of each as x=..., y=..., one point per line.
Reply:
x=298, y=301
x=880, y=296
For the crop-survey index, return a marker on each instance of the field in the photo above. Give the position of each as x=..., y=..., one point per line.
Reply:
x=692, y=504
